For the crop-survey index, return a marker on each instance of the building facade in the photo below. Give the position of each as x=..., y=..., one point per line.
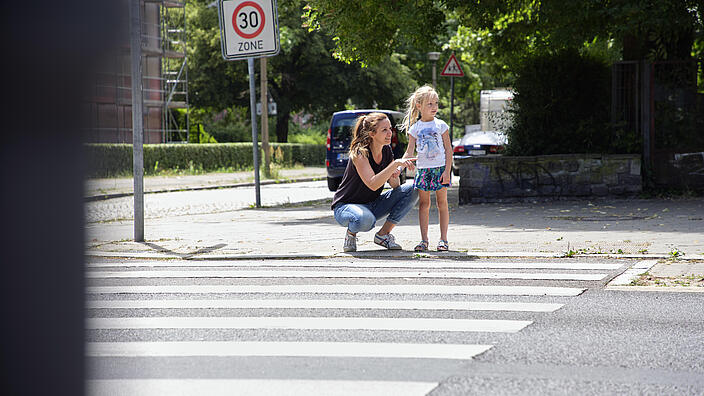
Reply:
x=165, y=81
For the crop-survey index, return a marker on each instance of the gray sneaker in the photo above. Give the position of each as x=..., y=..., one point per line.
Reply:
x=388, y=241
x=350, y=243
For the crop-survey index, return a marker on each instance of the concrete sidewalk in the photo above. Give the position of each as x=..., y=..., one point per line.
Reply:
x=669, y=230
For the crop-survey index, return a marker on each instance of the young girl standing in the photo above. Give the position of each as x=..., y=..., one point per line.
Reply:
x=429, y=137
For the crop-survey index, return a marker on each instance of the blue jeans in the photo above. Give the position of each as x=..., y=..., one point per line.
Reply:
x=362, y=217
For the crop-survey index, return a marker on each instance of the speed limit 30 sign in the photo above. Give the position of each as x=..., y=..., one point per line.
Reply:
x=248, y=28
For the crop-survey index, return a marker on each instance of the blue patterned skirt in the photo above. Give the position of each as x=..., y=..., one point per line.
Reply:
x=428, y=179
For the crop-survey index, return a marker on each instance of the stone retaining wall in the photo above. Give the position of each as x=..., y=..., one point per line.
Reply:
x=500, y=178
x=679, y=170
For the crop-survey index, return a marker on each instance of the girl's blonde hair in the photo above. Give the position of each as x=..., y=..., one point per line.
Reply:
x=419, y=97
x=361, y=138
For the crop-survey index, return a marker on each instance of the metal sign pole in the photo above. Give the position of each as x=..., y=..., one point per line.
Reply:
x=452, y=103
x=265, y=116
x=137, y=120
x=452, y=69
x=249, y=29
x=255, y=146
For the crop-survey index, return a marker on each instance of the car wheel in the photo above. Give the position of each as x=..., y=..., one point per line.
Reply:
x=334, y=183
x=455, y=171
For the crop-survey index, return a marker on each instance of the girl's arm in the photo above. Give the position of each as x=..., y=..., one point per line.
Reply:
x=394, y=181
x=447, y=175
x=410, y=150
x=376, y=181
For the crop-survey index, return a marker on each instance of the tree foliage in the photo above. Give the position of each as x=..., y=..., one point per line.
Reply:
x=212, y=82
x=303, y=77
x=370, y=30
x=653, y=29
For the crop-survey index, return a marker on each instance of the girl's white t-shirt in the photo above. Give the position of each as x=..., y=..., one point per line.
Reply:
x=428, y=135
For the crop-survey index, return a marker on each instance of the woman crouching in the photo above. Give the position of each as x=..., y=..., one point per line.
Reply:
x=359, y=201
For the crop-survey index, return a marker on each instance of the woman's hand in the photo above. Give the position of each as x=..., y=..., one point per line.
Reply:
x=390, y=173
x=394, y=181
x=405, y=163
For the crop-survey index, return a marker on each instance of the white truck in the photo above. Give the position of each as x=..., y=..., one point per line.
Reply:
x=493, y=109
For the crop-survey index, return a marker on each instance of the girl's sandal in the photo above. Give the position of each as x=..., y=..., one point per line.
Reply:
x=443, y=246
x=422, y=246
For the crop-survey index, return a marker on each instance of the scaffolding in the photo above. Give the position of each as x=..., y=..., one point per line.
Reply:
x=164, y=83
x=174, y=71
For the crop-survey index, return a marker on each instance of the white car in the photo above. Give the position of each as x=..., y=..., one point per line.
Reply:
x=476, y=143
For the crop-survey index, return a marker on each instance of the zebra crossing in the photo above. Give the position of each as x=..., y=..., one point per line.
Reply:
x=355, y=311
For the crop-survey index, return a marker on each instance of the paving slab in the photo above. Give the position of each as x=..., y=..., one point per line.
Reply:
x=641, y=228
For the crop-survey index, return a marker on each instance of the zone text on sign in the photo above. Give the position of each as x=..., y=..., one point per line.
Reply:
x=249, y=45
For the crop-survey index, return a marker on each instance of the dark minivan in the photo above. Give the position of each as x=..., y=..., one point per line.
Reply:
x=340, y=136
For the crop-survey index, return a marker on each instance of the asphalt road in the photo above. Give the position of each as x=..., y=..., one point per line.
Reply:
x=197, y=202
x=371, y=327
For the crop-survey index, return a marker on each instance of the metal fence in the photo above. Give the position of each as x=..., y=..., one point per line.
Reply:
x=663, y=104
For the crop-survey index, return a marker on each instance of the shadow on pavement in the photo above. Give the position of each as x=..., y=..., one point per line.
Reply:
x=204, y=250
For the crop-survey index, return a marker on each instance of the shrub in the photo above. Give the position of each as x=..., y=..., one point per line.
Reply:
x=308, y=134
x=562, y=106
x=229, y=125
x=199, y=135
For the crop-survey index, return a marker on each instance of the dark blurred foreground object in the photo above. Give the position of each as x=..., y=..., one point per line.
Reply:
x=49, y=50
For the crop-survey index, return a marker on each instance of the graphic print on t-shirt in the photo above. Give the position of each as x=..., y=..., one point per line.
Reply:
x=428, y=144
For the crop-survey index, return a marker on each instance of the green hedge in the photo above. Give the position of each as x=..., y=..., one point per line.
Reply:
x=562, y=106
x=106, y=160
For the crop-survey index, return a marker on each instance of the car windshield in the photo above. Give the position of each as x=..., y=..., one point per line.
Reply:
x=342, y=129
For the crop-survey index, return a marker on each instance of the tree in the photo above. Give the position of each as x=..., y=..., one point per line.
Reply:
x=494, y=37
x=562, y=106
x=304, y=76
x=654, y=29
x=212, y=82
x=370, y=30
x=308, y=78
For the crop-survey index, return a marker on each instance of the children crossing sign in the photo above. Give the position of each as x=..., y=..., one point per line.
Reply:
x=248, y=28
x=452, y=68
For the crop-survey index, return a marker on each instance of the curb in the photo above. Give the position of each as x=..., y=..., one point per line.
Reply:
x=102, y=197
x=670, y=289
x=632, y=273
x=380, y=254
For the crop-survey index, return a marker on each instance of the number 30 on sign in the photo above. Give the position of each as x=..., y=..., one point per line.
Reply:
x=248, y=28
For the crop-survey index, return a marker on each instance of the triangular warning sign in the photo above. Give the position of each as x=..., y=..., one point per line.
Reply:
x=452, y=68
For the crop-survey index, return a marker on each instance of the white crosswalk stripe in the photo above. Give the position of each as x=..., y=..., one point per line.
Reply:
x=407, y=297
x=341, y=289
x=251, y=387
x=318, y=349
x=342, y=274
x=326, y=323
x=326, y=304
x=451, y=264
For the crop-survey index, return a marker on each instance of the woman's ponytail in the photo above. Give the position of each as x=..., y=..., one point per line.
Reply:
x=361, y=138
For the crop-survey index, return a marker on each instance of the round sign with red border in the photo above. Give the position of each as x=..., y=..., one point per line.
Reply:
x=248, y=28
x=248, y=19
